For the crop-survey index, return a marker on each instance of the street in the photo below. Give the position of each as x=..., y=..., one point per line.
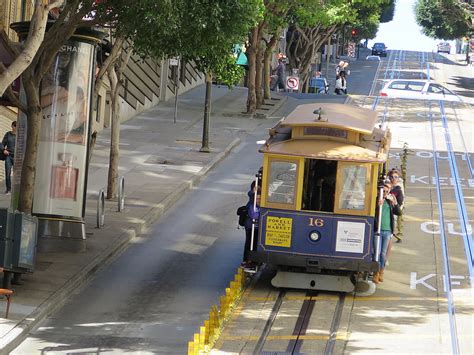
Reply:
x=154, y=296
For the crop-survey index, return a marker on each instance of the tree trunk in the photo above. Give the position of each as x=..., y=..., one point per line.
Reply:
x=114, y=135
x=252, y=97
x=259, y=76
x=267, y=62
x=34, y=119
x=207, y=115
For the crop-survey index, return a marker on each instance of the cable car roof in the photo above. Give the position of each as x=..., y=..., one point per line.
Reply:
x=327, y=150
x=332, y=115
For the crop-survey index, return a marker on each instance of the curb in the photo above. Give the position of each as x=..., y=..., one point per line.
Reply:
x=21, y=331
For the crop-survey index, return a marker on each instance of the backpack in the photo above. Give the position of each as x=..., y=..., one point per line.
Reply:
x=242, y=213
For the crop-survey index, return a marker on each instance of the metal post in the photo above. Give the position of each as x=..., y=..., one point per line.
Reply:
x=327, y=58
x=379, y=226
x=176, y=89
x=254, y=208
x=101, y=209
x=121, y=194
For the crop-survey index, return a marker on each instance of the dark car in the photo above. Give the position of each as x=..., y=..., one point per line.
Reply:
x=379, y=49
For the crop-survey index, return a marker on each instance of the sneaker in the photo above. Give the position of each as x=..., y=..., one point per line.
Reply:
x=7, y=192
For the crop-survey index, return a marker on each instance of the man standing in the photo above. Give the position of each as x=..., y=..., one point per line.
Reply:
x=8, y=143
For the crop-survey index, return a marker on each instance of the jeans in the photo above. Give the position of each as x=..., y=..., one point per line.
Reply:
x=384, y=242
x=8, y=171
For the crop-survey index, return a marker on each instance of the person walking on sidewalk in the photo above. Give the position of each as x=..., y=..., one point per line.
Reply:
x=8, y=151
x=280, y=73
x=390, y=208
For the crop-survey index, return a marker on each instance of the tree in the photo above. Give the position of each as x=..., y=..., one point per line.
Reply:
x=27, y=51
x=444, y=19
x=388, y=10
x=201, y=31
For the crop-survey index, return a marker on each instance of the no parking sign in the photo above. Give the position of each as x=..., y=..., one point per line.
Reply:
x=292, y=83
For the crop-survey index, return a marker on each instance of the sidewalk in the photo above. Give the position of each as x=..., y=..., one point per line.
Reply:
x=160, y=160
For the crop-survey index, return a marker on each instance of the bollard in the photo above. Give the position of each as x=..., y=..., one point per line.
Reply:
x=121, y=194
x=101, y=209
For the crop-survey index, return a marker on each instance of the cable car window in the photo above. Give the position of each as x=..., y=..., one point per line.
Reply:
x=282, y=182
x=353, y=192
x=325, y=131
x=319, y=185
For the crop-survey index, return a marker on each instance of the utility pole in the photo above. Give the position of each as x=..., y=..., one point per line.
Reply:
x=327, y=57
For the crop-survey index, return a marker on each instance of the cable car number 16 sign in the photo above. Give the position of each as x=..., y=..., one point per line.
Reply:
x=292, y=83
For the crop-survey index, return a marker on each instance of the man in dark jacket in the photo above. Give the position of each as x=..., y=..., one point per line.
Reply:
x=8, y=143
x=390, y=208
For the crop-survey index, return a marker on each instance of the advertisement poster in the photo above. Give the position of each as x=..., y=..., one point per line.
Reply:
x=350, y=237
x=62, y=152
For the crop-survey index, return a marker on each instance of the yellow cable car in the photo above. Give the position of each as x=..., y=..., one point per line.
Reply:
x=321, y=168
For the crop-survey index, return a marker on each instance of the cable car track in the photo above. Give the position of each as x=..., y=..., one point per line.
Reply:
x=302, y=325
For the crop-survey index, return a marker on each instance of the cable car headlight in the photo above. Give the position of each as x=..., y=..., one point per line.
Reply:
x=314, y=236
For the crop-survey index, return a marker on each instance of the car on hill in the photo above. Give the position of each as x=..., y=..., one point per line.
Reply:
x=318, y=85
x=444, y=47
x=373, y=58
x=418, y=89
x=379, y=49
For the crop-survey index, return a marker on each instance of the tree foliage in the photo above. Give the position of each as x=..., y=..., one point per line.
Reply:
x=201, y=30
x=444, y=19
x=388, y=10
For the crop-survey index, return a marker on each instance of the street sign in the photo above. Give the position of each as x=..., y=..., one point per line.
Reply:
x=292, y=83
x=174, y=62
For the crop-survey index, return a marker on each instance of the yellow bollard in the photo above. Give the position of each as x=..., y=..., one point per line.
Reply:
x=212, y=326
x=191, y=348
x=206, y=334
x=233, y=287
x=196, y=344
x=202, y=338
x=223, y=308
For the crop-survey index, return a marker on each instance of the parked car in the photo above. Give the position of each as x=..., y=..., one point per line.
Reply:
x=318, y=85
x=379, y=49
x=417, y=89
x=444, y=47
x=373, y=57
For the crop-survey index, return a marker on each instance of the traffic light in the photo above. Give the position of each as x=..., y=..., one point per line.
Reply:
x=354, y=33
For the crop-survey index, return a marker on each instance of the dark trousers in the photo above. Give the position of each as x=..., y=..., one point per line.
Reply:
x=8, y=171
x=280, y=83
x=248, y=239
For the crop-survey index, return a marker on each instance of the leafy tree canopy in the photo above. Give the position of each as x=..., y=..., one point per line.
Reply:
x=199, y=30
x=388, y=10
x=444, y=19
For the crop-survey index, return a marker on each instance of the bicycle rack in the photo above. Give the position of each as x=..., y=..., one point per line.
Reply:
x=101, y=209
x=121, y=194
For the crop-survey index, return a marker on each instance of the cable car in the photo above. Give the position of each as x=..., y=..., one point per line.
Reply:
x=321, y=169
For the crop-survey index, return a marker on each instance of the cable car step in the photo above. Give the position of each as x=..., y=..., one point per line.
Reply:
x=307, y=281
